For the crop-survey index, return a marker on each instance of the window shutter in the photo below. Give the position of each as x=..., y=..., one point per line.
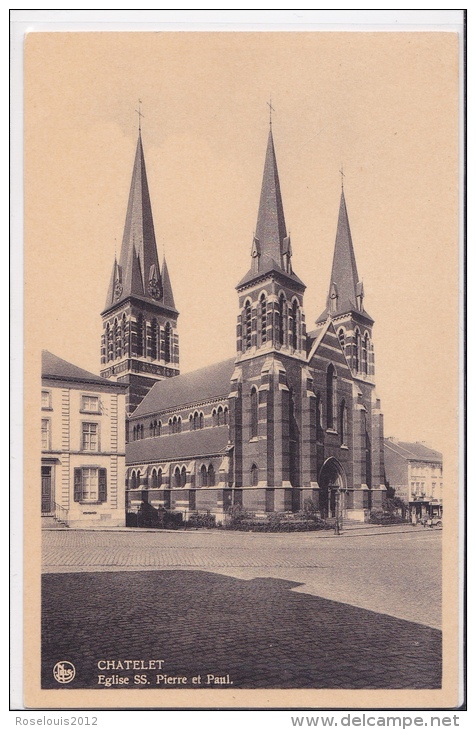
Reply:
x=77, y=485
x=102, y=485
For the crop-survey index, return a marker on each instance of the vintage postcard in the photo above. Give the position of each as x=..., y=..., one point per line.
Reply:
x=242, y=409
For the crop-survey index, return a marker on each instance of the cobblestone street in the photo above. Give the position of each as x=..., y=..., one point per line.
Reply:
x=258, y=610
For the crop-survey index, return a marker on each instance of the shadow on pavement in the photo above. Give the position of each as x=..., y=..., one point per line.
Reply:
x=250, y=634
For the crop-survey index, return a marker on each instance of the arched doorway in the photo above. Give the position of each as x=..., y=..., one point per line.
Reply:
x=331, y=481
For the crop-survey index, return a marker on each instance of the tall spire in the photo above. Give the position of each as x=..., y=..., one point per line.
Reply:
x=271, y=248
x=345, y=289
x=271, y=226
x=138, y=271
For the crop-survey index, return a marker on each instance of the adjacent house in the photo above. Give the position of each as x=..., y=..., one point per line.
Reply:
x=82, y=446
x=415, y=472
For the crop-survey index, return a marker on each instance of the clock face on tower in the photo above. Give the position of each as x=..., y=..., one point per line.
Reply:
x=154, y=288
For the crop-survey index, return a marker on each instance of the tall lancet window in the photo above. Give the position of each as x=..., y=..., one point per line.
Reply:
x=282, y=320
x=247, y=324
x=254, y=413
x=343, y=423
x=262, y=316
x=140, y=336
x=168, y=342
x=357, y=346
x=108, y=342
x=154, y=339
x=331, y=397
x=125, y=343
x=318, y=418
x=294, y=325
x=365, y=354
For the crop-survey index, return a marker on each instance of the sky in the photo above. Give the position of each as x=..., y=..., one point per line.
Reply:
x=381, y=106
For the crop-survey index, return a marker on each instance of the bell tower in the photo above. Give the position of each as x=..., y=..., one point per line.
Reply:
x=265, y=399
x=353, y=326
x=139, y=342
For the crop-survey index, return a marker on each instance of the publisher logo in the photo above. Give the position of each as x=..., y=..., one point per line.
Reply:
x=64, y=672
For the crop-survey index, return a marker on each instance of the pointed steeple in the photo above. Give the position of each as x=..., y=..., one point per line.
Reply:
x=271, y=246
x=270, y=226
x=138, y=263
x=345, y=290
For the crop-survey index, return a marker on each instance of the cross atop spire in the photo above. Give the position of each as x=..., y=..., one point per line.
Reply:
x=271, y=110
x=139, y=113
x=341, y=171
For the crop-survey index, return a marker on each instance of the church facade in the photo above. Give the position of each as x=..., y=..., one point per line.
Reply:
x=292, y=416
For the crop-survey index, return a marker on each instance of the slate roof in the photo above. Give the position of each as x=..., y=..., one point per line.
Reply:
x=414, y=451
x=209, y=382
x=173, y=447
x=55, y=368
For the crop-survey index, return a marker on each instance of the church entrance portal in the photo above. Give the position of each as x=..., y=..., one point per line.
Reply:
x=331, y=482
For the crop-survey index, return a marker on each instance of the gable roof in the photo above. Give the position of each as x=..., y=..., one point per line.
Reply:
x=55, y=368
x=413, y=451
x=209, y=382
x=189, y=444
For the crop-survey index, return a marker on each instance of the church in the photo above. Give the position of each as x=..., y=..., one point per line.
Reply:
x=292, y=416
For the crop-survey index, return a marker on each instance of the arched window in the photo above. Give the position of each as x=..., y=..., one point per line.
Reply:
x=154, y=340
x=247, y=324
x=254, y=475
x=125, y=344
x=294, y=325
x=116, y=340
x=211, y=476
x=159, y=428
x=179, y=425
x=200, y=421
x=263, y=318
x=183, y=477
x=140, y=336
x=214, y=417
x=219, y=416
x=331, y=397
x=203, y=476
x=191, y=422
x=108, y=342
x=341, y=336
x=282, y=320
x=159, y=478
x=154, y=481
x=171, y=429
x=318, y=417
x=134, y=480
x=142, y=430
x=357, y=345
x=151, y=430
x=365, y=354
x=225, y=415
x=168, y=342
x=196, y=420
x=343, y=423
x=254, y=413
x=177, y=476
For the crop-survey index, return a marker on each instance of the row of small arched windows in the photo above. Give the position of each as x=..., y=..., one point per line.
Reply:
x=220, y=417
x=179, y=478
